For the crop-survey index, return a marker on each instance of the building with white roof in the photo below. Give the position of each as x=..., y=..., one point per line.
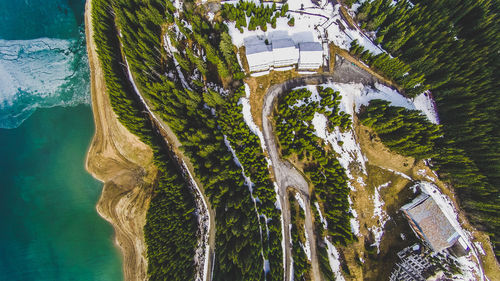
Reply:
x=284, y=52
x=259, y=56
x=310, y=55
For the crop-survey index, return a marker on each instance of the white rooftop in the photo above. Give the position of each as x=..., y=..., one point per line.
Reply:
x=284, y=52
x=311, y=55
x=283, y=43
x=310, y=47
x=259, y=56
x=258, y=47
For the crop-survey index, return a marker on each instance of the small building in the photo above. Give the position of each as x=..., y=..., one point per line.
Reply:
x=284, y=52
x=430, y=224
x=310, y=55
x=259, y=56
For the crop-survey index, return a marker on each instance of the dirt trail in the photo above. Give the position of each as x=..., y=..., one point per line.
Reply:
x=286, y=175
x=187, y=168
x=124, y=164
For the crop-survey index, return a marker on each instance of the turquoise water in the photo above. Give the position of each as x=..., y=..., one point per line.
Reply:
x=49, y=228
x=43, y=60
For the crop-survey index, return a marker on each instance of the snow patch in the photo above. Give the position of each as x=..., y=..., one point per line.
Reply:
x=398, y=173
x=300, y=201
x=348, y=152
x=334, y=260
x=354, y=223
x=378, y=212
x=479, y=248
x=425, y=103
x=423, y=173
x=360, y=181
x=306, y=247
x=261, y=73
x=267, y=267
x=321, y=218
x=203, y=250
x=247, y=116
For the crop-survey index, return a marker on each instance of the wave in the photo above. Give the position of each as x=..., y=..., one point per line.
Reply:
x=41, y=73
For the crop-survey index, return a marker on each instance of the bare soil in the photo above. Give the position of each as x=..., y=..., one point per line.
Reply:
x=398, y=193
x=124, y=164
x=260, y=85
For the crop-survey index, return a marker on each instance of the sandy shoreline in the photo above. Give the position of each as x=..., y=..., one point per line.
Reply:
x=124, y=164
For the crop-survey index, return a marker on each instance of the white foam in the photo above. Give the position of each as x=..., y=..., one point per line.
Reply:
x=41, y=72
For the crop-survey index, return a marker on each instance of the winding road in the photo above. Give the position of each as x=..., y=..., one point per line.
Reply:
x=286, y=175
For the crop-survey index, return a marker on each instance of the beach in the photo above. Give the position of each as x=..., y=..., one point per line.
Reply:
x=124, y=164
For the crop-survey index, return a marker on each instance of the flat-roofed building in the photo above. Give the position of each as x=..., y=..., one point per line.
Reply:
x=259, y=56
x=310, y=55
x=284, y=52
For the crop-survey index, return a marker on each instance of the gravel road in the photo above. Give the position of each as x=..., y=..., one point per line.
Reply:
x=286, y=175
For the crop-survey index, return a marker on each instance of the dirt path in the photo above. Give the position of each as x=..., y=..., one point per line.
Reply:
x=205, y=273
x=286, y=175
x=124, y=164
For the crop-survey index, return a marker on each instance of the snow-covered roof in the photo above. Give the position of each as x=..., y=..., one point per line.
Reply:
x=284, y=52
x=311, y=55
x=429, y=221
x=310, y=47
x=283, y=43
x=259, y=56
x=255, y=48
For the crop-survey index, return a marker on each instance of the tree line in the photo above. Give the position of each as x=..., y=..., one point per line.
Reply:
x=301, y=265
x=240, y=248
x=259, y=15
x=247, y=148
x=454, y=45
x=408, y=132
x=411, y=82
x=170, y=221
x=321, y=247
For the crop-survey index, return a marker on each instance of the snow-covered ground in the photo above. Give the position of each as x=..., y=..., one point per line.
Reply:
x=398, y=173
x=250, y=185
x=380, y=214
x=203, y=249
x=312, y=23
x=334, y=259
x=423, y=173
x=321, y=218
x=333, y=254
x=353, y=96
x=306, y=246
x=345, y=143
x=247, y=116
x=424, y=103
x=323, y=22
x=300, y=201
x=354, y=220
